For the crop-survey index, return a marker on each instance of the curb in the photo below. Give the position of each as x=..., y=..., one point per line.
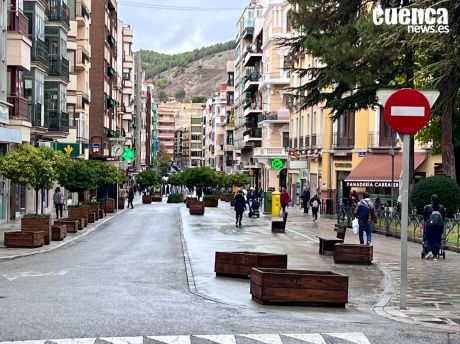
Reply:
x=83, y=234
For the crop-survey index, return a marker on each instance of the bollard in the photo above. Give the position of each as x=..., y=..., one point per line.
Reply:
x=276, y=203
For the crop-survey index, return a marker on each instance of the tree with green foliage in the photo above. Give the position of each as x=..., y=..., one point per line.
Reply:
x=199, y=99
x=176, y=179
x=357, y=58
x=180, y=94
x=80, y=177
x=162, y=84
x=34, y=168
x=163, y=157
x=163, y=96
x=149, y=179
x=239, y=179
x=445, y=187
x=199, y=177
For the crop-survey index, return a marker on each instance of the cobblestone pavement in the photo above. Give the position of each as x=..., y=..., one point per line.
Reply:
x=434, y=286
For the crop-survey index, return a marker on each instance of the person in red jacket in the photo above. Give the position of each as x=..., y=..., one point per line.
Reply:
x=284, y=199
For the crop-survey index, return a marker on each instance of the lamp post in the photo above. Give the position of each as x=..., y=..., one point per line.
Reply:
x=392, y=153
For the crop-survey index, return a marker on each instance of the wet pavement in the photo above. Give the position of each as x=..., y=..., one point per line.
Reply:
x=434, y=286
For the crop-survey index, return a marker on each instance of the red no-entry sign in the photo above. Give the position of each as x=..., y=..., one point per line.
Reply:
x=407, y=111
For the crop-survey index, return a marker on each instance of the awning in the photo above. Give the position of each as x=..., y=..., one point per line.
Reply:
x=375, y=170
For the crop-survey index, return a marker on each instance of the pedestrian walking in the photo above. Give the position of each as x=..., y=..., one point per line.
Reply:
x=240, y=207
x=434, y=215
x=284, y=199
x=57, y=200
x=130, y=197
x=367, y=217
x=305, y=199
x=354, y=198
x=315, y=202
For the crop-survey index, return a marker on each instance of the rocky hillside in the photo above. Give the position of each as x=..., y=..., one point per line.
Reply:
x=198, y=78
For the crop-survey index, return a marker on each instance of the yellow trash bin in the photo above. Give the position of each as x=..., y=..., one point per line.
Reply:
x=276, y=203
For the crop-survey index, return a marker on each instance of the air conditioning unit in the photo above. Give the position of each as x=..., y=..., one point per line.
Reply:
x=48, y=144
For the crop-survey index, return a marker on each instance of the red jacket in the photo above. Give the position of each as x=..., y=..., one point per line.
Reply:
x=284, y=198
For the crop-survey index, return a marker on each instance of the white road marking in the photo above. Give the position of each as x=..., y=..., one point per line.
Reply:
x=407, y=111
x=74, y=341
x=172, y=339
x=302, y=235
x=124, y=340
x=357, y=337
x=264, y=338
x=16, y=275
x=221, y=339
x=313, y=338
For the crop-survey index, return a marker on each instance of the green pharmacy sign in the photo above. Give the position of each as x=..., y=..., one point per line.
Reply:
x=128, y=154
x=277, y=164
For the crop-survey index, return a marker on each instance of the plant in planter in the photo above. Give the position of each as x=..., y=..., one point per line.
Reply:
x=37, y=223
x=175, y=198
x=80, y=176
x=150, y=179
x=211, y=201
x=34, y=168
x=79, y=211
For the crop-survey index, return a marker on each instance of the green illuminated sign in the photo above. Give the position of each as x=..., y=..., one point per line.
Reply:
x=128, y=154
x=277, y=164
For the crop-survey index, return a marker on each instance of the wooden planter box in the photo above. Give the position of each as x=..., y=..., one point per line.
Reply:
x=38, y=225
x=80, y=224
x=109, y=205
x=156, y=197
x=58, y=233
x=101, y=213
x=72, y=225
x=241, y=263
x=121, y=202
x=327, y=245
x=212, y=203
x=196, y=208
x=227, y=197
x=146, y=199
x=94, y=207
x=299, y=286
x=24, y=239
x=79, y=213
x=190, y=200
x=353, y=253
x=91, y=217
x=232, y=202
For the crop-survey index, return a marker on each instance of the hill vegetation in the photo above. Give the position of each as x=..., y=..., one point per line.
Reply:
x=154, y=63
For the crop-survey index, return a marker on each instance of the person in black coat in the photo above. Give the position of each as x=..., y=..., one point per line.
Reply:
x=240, y=207
x=305, y=200
x=131, y=197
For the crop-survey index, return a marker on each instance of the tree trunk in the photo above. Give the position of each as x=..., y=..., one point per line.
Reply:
x=448, y=94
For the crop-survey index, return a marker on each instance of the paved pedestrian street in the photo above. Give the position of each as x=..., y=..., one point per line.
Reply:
x=313, y=338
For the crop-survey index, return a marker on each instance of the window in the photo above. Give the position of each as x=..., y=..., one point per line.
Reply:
x=313, y=124
x=39, y=23
x=72, y=61
x=230, y=137
x=286, y=139
x=72, y=115
x=72, y=8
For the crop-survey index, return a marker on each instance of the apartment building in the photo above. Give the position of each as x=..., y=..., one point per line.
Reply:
x=127, y=75
x=104, y=115
x=139, y=113
x=166, y=124
x=229, y=151
x=78, y=90
x=247, y=135
x=188, y=145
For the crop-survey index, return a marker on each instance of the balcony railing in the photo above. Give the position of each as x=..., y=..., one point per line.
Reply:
x=313, y=140
x=376, y=140
x=57, y=121
x=270, y=152
x=82, y=100
x=18, y=22
x=59, y=12
x=59, y=67
x=40, y=52
x=82, y=9
x=255, y=133
x=342, y=142
x=19, y=109
x=307, y=141
x=268, y=116
x=83, y=56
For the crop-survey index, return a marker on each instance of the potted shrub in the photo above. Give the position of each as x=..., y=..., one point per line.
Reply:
x=196, y=208
x=79, y=211
x=109, y=205
x=37, y=223
x=149, y=179
x=211, y=201
x=175, y=198
x=93, y=208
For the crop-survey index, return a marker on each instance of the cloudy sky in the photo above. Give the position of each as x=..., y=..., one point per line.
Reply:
x=173, y=31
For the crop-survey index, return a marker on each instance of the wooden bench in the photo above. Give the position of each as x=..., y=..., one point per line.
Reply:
x=239, y=264
x=299, y=287
x=58, y=232
x=279, y=226
x=24, y=239
x=326, y=244
x=71, y=224
x=353, y=253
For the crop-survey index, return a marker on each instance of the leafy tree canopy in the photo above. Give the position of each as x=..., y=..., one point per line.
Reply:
x=199, y=99
x=149, y=179
x=176, y=179
x=80, y=176
x=200, y=177
x=163, y=157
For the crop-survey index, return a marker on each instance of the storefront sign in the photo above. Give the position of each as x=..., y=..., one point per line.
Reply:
x=371, y=184
x=70, y=149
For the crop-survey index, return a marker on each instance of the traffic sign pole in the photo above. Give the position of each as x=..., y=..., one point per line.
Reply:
x=404, y=221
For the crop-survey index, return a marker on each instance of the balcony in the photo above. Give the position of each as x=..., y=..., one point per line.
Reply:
x=20, y=108
x=35, y=114
x=252, y=133
x=111, y=40
x=18, y=22
x=342, y=142
x=248, y=29
x=83, y=58
x=377, y=141
x=82, y=12
x=57, y=121
x=276, y=117
x=252, y=55
x=40, y=53
x=82, y=100
x=59, y=67
x=251, y=81
x=253, y=109
x=270, y=153
x=59, y=12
